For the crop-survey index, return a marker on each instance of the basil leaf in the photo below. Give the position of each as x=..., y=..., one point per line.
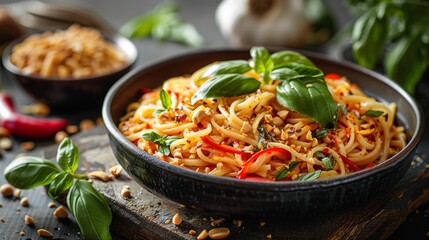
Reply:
x=263, y=63
x=405, y=62
x=369, y=37
x=163, y=142
x=328, y=162
x=90, y=209
x=373, y=113
x=309, y=176
x=282, y=173
x=152, y=136
x=157, y=112
x=263, y=137
x=283, y=73
x=187, y=34
x=68, y=155
x=311, y=97
x=61, y=183
x=319, y=155
x=232, y=66
x=226, y=85
x=292, y=165
x=319, y=133
x=30, y=172
x=297, y=69
x=165, y=99
x=171, y=139
x=285, y=57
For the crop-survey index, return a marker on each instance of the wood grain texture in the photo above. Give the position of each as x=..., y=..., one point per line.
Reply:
x=147, y=216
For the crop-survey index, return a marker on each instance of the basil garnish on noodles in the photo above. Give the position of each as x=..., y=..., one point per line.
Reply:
x=232, y=66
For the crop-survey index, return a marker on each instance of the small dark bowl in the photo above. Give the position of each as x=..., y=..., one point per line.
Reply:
x=227, y=196
x=70, y=92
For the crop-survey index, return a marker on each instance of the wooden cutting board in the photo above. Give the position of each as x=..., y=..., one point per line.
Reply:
x=146, y=216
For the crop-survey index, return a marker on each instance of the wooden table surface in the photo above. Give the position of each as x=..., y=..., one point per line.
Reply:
x=201, y=14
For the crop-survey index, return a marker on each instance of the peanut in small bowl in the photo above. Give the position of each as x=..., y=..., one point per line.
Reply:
x=74, y=67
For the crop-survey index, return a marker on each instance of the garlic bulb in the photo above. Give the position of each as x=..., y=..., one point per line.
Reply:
x=263, y=22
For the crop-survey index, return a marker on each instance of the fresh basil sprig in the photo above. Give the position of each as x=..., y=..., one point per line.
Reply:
x=264, y=136
x=309, y=176
x=284, y=172
x=327, y=160
x=319, y=133
x=88, y=206
x=373, y=113
x=302, y=87
x=163, y=142
x=165, y=102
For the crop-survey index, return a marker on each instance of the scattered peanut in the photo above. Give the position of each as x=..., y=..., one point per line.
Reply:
x=61, y=212
x=17, y=193
x=86, y=124
x=38, y=109
x=203, y=235
x=125, y=192
x=192, y=232
x=24, y=202
x=22, y=233
x=262, y=224
x=59, y=136
x=51, y=204
x=99, y=120
x=72, y=129
x=115, y=170
x=177, y=220
x=269, y=236
x=6, y=143
x=27, y=146
x=100, y=175
x=6, y=190
x=168, y=221
x=4, y=132
x=28, y=220
x=44, y=233
x=219, y=233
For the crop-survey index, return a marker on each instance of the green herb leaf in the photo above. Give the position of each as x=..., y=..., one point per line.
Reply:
x=319, y=133
x=283, y=73
x=90, y=209
x=263, y=63
x=165, y=99
x=290, y=70
x=285, y=57
x=369, y=37
x=30, y=172
x=343, y=108
x=226, y=85
x=405, y=62
x=263, y=137
x=309, y=176
x=328, y=162
x=283, y=173
x=224, y=67
x=309, y=96
x=373, y=113
x=187, y=34
x=163, y=142
x=61, y=183
x=68, y=155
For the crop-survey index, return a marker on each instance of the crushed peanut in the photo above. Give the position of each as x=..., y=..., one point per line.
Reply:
x=192, y=232
x=28, y=220
x=168, y=221
x=116, y=170
x=6, y=190
x=24, y=202
x=177, y=220
x=27, y=146
x=72, y=129
x=125, y=192
x=6, y=143
x=17, y=193
x=22, y=233
x=59, y=136
x=86, y=124
x=100, y=175
x=203, y=235
x=61, y=212
x=51, y=204
x=219, y=233
x=44, y=233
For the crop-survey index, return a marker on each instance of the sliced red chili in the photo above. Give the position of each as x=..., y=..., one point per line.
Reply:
x=225, y=148
x=242, y=174
x=333, y=76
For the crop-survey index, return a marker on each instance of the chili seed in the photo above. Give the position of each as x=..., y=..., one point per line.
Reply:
x=61, y=212
x=177, y=220
x=44, y=233
x=219, y=233
x=6, y=190
x=203, y=235
x=28, y=220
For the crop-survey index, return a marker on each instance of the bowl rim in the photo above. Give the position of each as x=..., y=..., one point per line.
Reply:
x=112, y=38
x=258, y=185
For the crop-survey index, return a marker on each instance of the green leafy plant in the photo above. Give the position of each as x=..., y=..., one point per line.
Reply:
x=88, y=206
x=397, y=30
x=163, y=23
x=301, y=85
x=165, y=101
x=163, y=142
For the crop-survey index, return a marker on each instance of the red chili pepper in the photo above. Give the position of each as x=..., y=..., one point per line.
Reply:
x=24, y=126
x=369, y=165
x=333, y=76
x=242, y=174
x=347, y=161
x=225, y=148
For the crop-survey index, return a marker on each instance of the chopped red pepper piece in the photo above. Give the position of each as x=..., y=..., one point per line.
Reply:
x=242, y=174
x=370, y=165
x=333, y=76
x=225, y=148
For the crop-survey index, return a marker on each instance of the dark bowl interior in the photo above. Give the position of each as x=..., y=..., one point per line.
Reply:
x=237, y=197
x=70, y=93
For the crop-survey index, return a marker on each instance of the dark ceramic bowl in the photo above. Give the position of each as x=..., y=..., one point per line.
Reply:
x=237, y=197
x=70, y=92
